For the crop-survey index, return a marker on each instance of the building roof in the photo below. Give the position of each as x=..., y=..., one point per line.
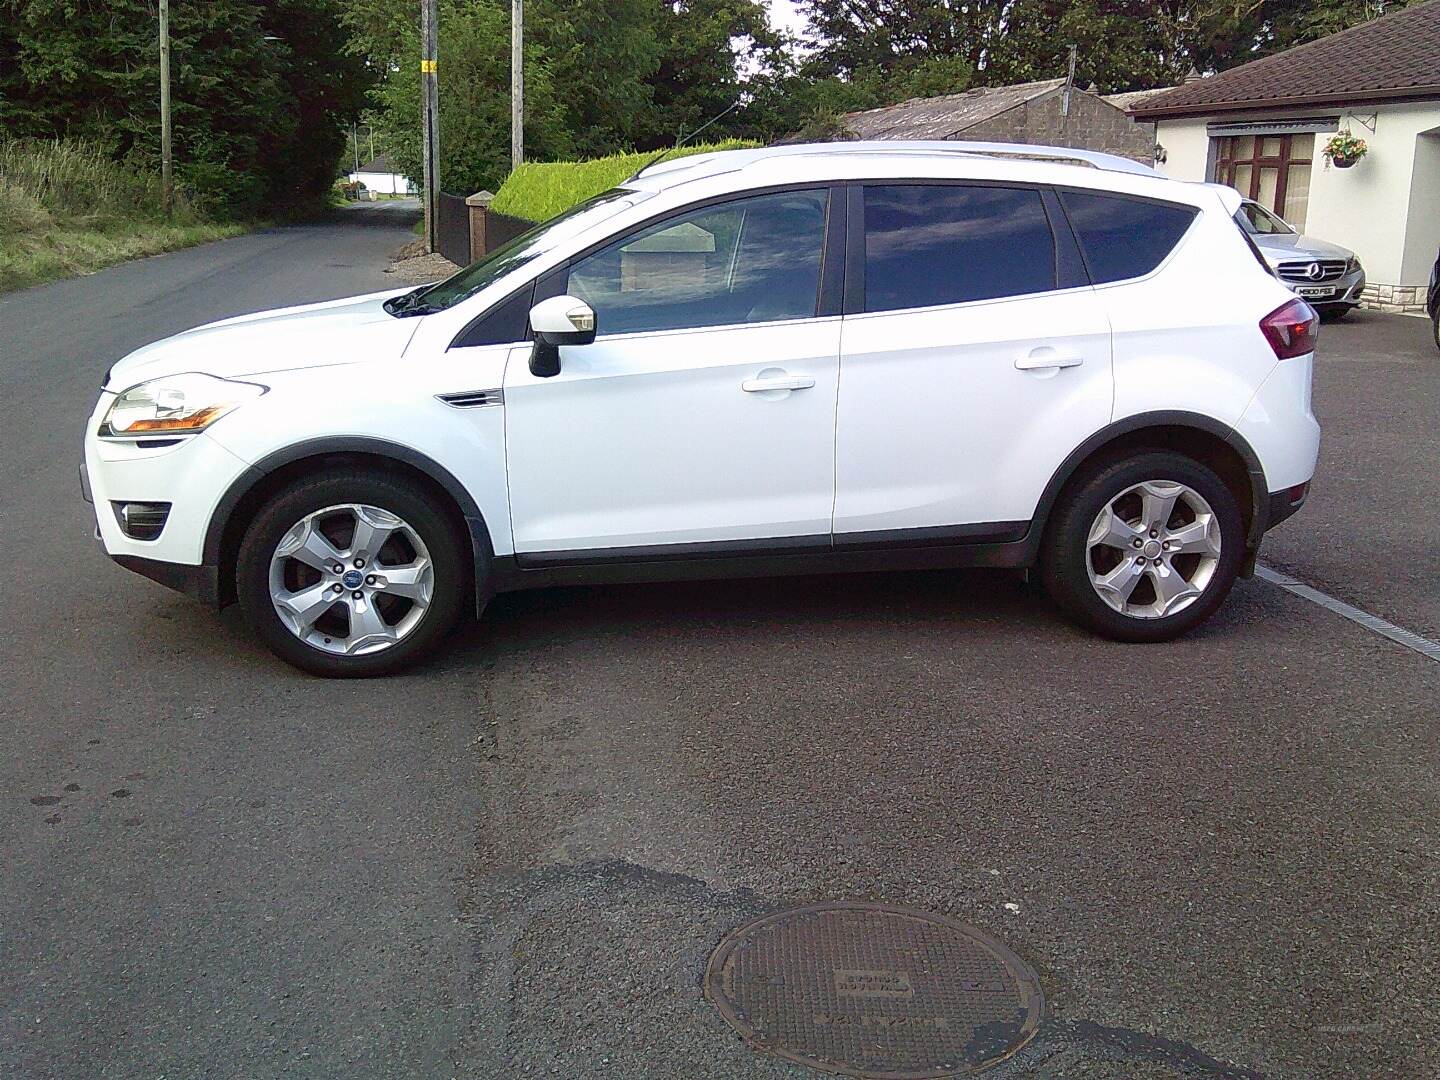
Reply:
x=1130, y=98
x=380, y=163
x=943, y=117
x=1394, y=57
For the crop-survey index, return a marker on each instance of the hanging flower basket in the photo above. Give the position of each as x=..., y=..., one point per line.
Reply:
x=1343, y=149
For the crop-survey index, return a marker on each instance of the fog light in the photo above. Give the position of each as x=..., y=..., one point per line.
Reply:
x=141, y=520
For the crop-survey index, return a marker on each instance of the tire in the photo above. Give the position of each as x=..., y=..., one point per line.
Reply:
x=1170, y=596
x=394, y=605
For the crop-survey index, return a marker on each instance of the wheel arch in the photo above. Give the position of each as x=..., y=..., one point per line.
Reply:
x=1198, y=436
x=244, y=497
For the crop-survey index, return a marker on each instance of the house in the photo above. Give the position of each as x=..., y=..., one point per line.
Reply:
x=1262, y=127
x=379, y=175
x=1050, y=112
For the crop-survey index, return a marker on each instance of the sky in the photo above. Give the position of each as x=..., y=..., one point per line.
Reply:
x=784, y=15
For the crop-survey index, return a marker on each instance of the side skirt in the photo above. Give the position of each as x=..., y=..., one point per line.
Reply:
x=998, y=544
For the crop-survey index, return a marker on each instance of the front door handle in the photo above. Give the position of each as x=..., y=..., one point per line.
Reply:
x=1047, y=356
x=777, y=382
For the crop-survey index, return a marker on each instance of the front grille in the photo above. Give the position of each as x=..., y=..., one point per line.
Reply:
x=1300, y=272
x=141, y=520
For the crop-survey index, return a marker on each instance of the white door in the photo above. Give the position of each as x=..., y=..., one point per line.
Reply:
x=971, y=374
x=704, y=412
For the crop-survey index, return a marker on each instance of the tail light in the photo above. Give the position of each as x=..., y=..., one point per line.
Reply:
x=1292, y=329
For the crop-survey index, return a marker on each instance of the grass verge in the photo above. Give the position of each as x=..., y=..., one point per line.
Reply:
x=70, y=248
x=67, y=207
x=540, y=190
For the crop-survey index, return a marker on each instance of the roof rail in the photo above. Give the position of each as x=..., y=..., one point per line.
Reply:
x=737, y=159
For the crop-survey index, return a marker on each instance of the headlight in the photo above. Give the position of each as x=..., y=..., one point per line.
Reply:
x=175, y=405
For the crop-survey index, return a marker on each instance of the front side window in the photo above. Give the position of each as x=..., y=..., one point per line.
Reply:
x=750, y=260
x=1124, y=237
x=1257, y=221
x=929, y=244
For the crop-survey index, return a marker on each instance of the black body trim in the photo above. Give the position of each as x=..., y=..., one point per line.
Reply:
x=1283, y=504
x=998, y=532
x=201, y=582
x=1071, y=271
x=482, y=549
x=1259, y=509
x=765, y=561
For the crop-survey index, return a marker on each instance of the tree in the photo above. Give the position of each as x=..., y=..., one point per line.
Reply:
x=474, y=66
x=260, y=92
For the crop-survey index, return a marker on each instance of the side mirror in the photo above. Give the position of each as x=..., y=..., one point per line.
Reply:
x=561, y=320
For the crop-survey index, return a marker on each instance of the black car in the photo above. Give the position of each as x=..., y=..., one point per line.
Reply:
x=1432, y=300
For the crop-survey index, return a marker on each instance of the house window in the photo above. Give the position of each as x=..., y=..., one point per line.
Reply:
x=1274, y=170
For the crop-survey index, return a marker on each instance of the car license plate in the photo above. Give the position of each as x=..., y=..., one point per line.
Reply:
x=1315, y=290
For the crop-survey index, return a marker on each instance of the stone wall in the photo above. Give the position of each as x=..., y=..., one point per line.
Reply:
x=1092, y=125
x=1399, y=298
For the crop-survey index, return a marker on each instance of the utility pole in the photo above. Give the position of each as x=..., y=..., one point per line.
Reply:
x=430, y=116
x=167, y=179
x=1065, y=94
x=355, y=141
x=517, y=83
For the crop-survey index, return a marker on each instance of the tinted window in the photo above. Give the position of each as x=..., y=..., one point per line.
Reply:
x=505, y=323
x=750, y=260
x=1124, y=237
x=945, y=243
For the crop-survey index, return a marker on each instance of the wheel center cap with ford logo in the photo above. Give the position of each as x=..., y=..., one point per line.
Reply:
x=352, y=579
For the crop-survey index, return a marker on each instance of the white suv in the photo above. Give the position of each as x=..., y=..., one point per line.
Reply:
x=790, y=360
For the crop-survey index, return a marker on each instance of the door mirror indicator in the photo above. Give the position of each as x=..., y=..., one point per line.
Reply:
x=560, y=320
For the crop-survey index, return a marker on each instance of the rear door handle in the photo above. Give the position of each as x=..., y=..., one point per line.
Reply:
x=1047, y=356
x=777, y=382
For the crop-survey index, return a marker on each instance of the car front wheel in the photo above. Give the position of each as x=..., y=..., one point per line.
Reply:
x=353, y=575
x=1144, y=549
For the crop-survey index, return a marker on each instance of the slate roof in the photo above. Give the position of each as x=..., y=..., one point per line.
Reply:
x=1393, y=58
x=942, y=117
x=380, y=163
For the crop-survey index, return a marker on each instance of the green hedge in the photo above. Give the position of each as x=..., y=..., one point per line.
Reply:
x=538, y=191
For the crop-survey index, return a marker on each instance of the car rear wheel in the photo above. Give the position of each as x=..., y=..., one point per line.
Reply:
x=351, y=575
x=1144, y=549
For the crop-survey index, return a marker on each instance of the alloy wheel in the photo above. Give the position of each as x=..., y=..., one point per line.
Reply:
x=351, y=579
x=1153, y=549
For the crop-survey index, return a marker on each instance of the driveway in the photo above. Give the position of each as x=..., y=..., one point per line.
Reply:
x=1220, y=855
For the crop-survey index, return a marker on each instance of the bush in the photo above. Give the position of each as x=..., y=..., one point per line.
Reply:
x=538, y=191
x=77, y=178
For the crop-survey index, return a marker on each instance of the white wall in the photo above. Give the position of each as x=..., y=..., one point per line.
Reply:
x=1422, y=233
x=1186, y=146
x=1386, y=209
x=385, y=183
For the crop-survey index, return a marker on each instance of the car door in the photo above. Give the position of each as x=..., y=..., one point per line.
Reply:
x=704, y=411
x=974, y=359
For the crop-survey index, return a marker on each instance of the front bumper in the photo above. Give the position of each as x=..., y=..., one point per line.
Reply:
x=191, y=474
x=1343, y=292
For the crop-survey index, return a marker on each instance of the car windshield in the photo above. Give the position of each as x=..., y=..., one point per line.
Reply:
x=490, y=269
x=1257, y=221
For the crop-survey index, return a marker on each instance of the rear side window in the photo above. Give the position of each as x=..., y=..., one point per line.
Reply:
x=1124, y=237
x=928, y=244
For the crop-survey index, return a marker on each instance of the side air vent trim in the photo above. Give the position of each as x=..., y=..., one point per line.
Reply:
x=473, y=399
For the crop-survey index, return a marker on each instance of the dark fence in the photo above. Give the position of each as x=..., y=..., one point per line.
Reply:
x=466, y=229
x=452, y=229
x=500, y=229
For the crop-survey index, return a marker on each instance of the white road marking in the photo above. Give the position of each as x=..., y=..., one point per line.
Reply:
x=1398, y=634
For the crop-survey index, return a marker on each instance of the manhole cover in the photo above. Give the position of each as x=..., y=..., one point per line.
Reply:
x=873, y=991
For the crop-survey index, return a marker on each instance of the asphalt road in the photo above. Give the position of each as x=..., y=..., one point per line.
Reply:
x=515, y=861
